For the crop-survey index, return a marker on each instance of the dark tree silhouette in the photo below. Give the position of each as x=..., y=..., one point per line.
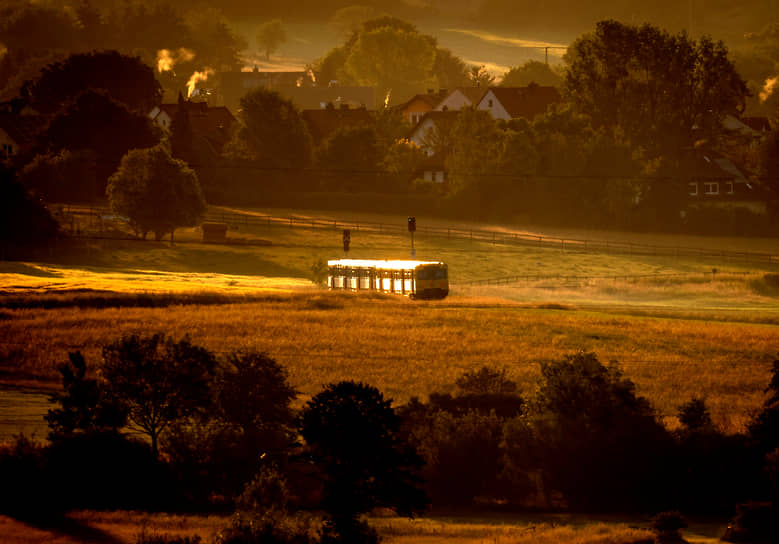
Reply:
x=156, y=192
x=24, y=220
x=85, y=407
x=158, y=380
x=353, y=433
x=96, y=122
x=126, y=79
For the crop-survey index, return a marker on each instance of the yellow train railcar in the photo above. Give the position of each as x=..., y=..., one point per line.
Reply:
x=416, y=279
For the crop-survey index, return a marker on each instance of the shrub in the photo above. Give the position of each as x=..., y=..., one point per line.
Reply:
x=754, y=522
x=667, y=525
x=266, y=491
x=270, y=528
x=26, y=490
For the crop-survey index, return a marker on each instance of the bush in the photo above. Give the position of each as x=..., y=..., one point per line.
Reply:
x=145, y=537
x=26, y=490
x=270, y=528
x=754, y=522
x=266, y=491
x=667, y=525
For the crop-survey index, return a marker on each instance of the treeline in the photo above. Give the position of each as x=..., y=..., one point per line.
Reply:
x=163, y=424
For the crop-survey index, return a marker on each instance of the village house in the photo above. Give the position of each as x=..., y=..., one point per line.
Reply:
x=518, y=102
x=18, y=133
x=461, y=97
x=418, y=105
x=211, y=127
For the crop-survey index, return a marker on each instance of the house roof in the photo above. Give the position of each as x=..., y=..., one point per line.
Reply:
x=309, y=98
x=474, y=94
x=323, y=122
x=527, y=101
x=430, y=99
x=759, y=124
x=212, y=127
x=435, y=116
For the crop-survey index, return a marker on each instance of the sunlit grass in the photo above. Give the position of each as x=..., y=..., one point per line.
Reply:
x=409, y=349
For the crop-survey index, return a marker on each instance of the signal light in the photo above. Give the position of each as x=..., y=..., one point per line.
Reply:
x=347, y=239
x=412, y=224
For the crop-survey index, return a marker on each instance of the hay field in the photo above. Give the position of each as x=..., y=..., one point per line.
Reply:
x=411, y=349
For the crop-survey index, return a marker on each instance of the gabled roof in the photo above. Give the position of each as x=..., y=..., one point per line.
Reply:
x=474, y=94
x=435, y=117
x=430, y=99
x=527, y=101
x=309, y=98
x=323, y=122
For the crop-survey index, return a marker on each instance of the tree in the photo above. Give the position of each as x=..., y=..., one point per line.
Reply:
x=255, y=396
x=270, y=36
x=126, y=79
x=480, y=77
x=273, y=131
x=96, y=123
x=594, y=438
x=394, y=57
x=353, y=433
x=449, y=70
x=85, y=407
x=64, y=177
x=25, y=222
x=158, y=380
x=215, y=43
x=156, y=192
x=352, y=155
x=532, y=71
x=663, y=91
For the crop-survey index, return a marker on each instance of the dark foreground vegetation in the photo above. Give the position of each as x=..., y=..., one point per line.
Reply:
x=164, y=425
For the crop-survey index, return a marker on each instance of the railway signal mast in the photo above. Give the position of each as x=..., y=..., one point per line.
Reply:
x=412, y=227
x=347, y=240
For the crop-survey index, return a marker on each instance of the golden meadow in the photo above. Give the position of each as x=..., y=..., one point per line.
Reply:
x=677, y=329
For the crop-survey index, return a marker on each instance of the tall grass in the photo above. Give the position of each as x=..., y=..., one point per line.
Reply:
x=409, y=349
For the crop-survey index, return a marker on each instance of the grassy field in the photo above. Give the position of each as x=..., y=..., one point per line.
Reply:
x=124, y=528
x=677, y=329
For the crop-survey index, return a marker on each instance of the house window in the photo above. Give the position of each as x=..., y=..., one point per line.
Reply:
x=693, y=188
x=729, y=186
x=489, y=103
x=7, y=150
x=712, y=188
x=414, y=118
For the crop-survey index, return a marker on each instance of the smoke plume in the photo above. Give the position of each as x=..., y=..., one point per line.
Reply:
x=196, y=78
x=167, y=59
x=768, y=88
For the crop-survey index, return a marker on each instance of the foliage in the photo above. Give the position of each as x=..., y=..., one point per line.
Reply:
x=65, y=177
x=158, y=380
x=667, y=524
x=272, y=132
x=694, y=416
x=590, y=413
x=319, y=271
x=270, y=36
x=533, y=71
x=480, y=77
x=23, y=472
x=662, y=91
x=25, y=221
x=124, y=78
x=353, y=433
x=96, y=123
x=352, y=155
x=449, y=70
x=266, y=491
x=156, y=192
x=254, y=395
x=215, y=43
x=84, y=405
x=269, y=528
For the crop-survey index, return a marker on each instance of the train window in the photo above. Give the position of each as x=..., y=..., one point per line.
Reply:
x=431, y=274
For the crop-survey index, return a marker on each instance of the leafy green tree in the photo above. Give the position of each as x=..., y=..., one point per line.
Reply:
x=272, y=131
x=214, y=41
x=663, y=91
x=532, y=71
x=595, y=439
x=270, y=36
x=480, y=77
x=353, y=433
x=449, y=70
x=158, y=380
x=255, y=396
x=393, y=60
x=126, y=79
x=64, y=177
x=351, y=156
x=475, y=139
x=25, y=221
x=96, y=123
x=85, y=407
x=156, y=192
